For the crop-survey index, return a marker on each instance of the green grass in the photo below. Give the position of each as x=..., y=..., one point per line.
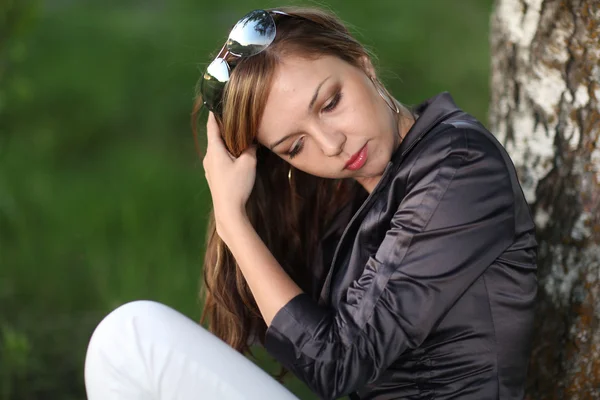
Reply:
x=102, y=198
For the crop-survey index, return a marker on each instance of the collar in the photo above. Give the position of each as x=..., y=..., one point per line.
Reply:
x=430, y=113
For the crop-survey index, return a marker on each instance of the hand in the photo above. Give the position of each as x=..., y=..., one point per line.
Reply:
x=230, y=179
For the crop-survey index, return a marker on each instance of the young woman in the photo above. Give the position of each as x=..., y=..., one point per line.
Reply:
x=376, y=251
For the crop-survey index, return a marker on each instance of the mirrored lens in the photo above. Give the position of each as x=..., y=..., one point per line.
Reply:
x=213, y=83
x=252, y=34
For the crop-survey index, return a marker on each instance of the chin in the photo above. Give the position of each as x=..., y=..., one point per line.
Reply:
x=378, y=166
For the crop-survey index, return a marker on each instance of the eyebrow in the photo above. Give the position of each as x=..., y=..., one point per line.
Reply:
x=310, y=106
x=314, y=98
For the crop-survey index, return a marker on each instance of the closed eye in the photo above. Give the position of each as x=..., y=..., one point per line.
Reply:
x=296, y=147
x=333, y=103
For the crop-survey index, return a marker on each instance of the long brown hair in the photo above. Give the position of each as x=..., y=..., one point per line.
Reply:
x=289, y=214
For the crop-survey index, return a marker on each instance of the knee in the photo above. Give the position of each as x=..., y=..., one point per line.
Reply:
x=145, y=309
x=114, y=346
x=118, y=324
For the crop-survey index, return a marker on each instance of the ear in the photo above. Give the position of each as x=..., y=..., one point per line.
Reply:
x=368, y=67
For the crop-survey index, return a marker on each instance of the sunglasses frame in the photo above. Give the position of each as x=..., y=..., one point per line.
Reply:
x=214, y=83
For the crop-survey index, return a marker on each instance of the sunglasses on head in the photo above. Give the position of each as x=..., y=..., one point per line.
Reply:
x=250, y=35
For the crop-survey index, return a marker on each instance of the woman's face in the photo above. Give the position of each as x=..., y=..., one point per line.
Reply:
x=322, y=114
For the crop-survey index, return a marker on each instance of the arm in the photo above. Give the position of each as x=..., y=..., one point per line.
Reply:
x=231, y=180
x=455, y=220
x=271, y=286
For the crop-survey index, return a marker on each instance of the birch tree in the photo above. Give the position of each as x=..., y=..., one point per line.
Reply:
x=545, y=109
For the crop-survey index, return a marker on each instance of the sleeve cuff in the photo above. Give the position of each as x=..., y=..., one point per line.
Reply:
x=293, y=326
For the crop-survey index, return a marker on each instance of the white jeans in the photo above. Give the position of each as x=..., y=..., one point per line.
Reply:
x=146, y=350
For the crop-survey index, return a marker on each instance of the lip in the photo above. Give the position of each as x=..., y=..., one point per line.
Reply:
x=358, y=159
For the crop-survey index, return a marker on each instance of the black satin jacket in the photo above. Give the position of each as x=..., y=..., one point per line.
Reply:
x=430, y=293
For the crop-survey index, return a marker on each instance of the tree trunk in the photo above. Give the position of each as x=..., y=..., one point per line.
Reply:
x=545, y=109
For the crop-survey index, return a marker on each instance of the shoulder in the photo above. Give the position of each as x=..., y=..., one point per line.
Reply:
x=456, y=145
x=454, y=175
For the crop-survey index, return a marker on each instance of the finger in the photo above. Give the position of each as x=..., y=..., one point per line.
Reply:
x=248, y=156
x=215, y=140
x=250, y=151
x=213, y=133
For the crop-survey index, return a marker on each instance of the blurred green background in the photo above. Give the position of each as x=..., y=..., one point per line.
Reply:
x=102, y=196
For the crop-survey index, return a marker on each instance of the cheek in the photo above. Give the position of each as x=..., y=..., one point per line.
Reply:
x=310, y=159
x=363, y=112
x=314, y=162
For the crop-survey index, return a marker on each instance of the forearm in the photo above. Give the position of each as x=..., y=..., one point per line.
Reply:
x=270, y=284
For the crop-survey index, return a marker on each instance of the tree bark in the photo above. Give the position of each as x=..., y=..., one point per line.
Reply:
x=545, y=109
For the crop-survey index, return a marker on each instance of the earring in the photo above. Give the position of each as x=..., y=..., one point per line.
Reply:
x=385, y=96
x=290, y=176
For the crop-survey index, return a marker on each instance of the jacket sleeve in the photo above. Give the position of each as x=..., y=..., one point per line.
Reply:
x=457, y=217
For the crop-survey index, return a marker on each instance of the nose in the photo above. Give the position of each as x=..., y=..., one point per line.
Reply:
x=331, y=143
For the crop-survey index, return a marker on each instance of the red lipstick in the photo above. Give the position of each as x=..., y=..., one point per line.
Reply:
x=357, y=160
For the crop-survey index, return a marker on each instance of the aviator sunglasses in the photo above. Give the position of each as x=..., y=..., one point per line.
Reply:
x=249, y=36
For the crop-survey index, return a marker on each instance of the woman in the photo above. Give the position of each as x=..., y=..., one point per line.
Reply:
x=375, y=251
